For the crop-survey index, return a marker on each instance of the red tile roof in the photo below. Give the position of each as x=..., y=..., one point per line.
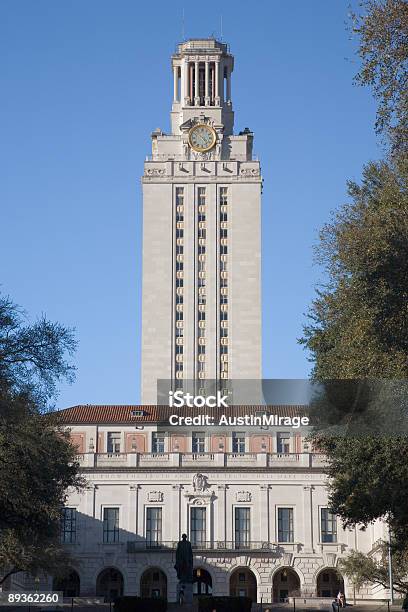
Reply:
x=103, y=414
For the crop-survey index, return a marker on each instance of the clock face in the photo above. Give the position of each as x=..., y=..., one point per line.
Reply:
x=202, y=137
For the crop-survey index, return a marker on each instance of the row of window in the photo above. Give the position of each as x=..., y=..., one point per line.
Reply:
x=223, y=264
x=198, y=526
x=198, y=438
x=179, y=331
x=201, y=292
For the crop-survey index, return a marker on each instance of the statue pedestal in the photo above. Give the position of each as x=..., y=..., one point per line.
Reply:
x=187, y=589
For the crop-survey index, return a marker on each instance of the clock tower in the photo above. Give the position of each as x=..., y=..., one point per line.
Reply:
x=201, y=295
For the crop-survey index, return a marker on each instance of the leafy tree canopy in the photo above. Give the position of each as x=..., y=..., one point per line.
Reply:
x=382, y=30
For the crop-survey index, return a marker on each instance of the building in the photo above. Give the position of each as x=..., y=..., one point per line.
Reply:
x=201, y=316
x=252, y=500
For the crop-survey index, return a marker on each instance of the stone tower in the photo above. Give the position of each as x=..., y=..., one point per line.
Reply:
x=201, y=303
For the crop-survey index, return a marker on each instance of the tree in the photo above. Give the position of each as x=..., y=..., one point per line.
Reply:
x=382, y=30
x=359, y=320
x=362, y=569
x=37, y=460
x=33, y=357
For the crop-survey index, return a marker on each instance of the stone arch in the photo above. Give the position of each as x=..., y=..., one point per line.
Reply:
x=285, y=584
x=110, y=583
x=202, y=581
x=153, y=582
x=243, y=582
x=69, y=583
x=329, y=582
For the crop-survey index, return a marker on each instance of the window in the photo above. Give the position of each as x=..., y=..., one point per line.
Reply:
x=283, y=443
x=223, y=249
x=238, y=442
x=198, y=442
x=223, y=196
x=179, y=196
x=201, y=196
x=153, y=527
x=285, y=524
x=179, y=349
x=158, y=440
x=179, y=233
x=179, y=282
x=110, y=525
x=197, y=526
x=113, y=445
x=68, y=525
x=242, y=527
x=328, y=524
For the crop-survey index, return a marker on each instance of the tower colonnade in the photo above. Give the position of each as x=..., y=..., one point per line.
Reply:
x=202, y=79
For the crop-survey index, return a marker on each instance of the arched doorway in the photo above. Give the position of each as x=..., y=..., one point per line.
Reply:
x=329, y=583
x=69, y=584
x=109, y=584
x=243, y=584
x=202, y=582
x=286, y=584
x=153, y=583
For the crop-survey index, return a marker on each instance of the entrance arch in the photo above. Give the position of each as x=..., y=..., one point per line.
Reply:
x=329, y=582
x=202, y=582
x=286, y=584
x=243, y=584
x=153, y=583
x=69, y=584
x=109, y=584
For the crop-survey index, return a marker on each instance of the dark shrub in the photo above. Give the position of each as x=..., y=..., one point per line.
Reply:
x=224, y=604
x=139, y=604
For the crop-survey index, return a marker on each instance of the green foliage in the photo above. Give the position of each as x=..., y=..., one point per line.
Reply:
x=37, y=466
x=33, y=357
x=37, y=461
x=362, y=569
x=224, y=604
x=359, y=320
x=382, y=29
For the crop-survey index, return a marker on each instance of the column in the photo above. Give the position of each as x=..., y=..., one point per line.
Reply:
x=220, y=523
x=229, y=85
x=264, y=527
x=307, y=518
x=175, y=83
x=185, y=74
x=217, y=83
x=196, y=92
x=132, y=508
x=175, y=505
x=207, y=84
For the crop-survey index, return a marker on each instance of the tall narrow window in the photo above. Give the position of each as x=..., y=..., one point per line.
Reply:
x=179, y=287
x=328, y=524
x=223, y=281
x=198, y=527
x=110, y=525
x=242, y=527
x=113, y=442
x=283, y=443
x=68, y=525
x=201, y=217
x=285, y=525
x=198, y=442
x=157, y=442
x=153, y=527
x=238, y=442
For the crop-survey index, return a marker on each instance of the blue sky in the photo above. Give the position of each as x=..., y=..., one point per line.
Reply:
x=84, y=84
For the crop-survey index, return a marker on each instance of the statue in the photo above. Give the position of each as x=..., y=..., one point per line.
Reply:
x=184, y=561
